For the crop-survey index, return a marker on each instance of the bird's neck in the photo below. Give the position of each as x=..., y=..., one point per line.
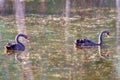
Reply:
x=100, y=40
x=18, y=40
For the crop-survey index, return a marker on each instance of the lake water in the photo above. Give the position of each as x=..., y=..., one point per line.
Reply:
x=52, y=58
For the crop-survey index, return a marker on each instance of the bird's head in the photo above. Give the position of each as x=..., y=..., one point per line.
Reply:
x=108, y=34
x=24, y=36
x=27, y=39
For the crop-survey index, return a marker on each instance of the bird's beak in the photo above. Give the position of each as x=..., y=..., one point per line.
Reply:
x=108, y=35
x=27, y=39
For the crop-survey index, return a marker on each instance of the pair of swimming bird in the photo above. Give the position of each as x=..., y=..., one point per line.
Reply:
x=12, y=48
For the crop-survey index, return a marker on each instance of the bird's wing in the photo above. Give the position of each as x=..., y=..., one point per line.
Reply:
x=88, y=42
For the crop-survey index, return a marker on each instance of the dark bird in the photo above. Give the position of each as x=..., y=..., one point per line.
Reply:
x=12, y=48
x=83, y=43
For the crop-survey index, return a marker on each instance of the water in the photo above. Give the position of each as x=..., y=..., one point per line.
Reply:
x=2, y=7
x=117, y=35
x=20, y=23
x=20, y=15
x=47, y=48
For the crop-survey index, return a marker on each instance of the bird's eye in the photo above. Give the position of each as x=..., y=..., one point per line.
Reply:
x=108, y=34
x=27, y=38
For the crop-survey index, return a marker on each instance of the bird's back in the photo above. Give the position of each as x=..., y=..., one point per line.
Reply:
x=88, y=42
x=17, y=47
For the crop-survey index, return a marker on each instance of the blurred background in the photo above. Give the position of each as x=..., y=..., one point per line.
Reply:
x=52, y=27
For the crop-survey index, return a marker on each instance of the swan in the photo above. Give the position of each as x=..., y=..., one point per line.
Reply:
x=82, y=43
x=86, y=43
x=12, y=48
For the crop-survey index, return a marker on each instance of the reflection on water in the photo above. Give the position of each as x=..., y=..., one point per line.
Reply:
x=47, y=49
x=118, y=37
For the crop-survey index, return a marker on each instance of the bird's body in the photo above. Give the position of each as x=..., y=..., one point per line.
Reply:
x=12, y=48
x=15, y=47
x=88, y=42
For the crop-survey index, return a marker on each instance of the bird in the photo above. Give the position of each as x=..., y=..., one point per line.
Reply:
x=12, y=48
x=85, y=43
